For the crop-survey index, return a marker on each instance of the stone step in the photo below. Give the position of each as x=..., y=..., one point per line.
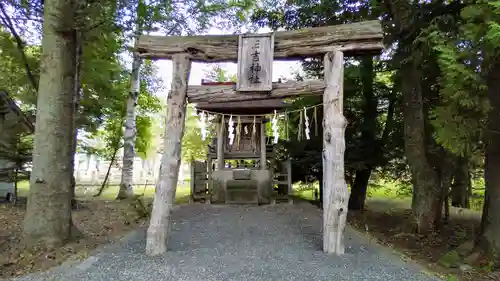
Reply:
x=242, y=196
x=241, y=189
x=242, y=202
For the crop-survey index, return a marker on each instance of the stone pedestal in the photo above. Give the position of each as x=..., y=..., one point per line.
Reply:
x=242, y=186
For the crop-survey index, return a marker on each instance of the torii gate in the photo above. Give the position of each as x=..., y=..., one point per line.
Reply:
x=332, y=42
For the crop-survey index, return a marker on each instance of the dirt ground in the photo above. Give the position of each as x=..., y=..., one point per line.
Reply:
x=444, y=251
x=100, y=222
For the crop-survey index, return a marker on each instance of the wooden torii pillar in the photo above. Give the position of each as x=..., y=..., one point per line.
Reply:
x=332, y=42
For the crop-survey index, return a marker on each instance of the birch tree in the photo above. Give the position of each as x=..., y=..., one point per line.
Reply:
x=130, y=132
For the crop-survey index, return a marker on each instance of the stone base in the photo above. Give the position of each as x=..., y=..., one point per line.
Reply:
x=254, y=187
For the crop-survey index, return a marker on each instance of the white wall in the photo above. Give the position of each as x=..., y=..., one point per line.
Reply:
x=91, y=169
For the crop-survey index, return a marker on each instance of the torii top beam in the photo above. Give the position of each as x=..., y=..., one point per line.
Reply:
x=361, y=38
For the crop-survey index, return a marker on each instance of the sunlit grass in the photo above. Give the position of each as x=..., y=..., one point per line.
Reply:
x=380, y=190
x=397, y=194
x=110, y=192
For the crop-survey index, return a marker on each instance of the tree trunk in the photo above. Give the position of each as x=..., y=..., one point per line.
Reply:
x=358, y=191
x=460, y=188
x=426, y=185
x=159, y=225
x=335, y=188
x=48, y=214
x=103, y=185
x=368, y=131
x=76, y=106
x=490, y=222
x=447, y=167
x=129, y=135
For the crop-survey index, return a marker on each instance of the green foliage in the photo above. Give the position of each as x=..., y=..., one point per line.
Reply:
x=362, y=151
x=13, y=78
x=193, y=147
x=171, y=17
x=110, y=133
x=462, y=55
x=219, y=74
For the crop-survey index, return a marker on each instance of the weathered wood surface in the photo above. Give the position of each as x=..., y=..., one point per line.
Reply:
x=362, y=38
x=248, y=107
x=198, y=179
x=220, y=143
x=255, y=62
x=262, y=141
x=289, y=176
x=209, y=176
x=228, y=93
x=159, y=225
x=336, y=196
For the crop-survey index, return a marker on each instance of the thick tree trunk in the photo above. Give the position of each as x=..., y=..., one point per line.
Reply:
x=76, y=105
x=490, y=223
x=358, y=191
x=129, y=135
x=426, y=185
x=335, y=188
x=460, y=188
x=368, y=131
x=159, y=225
x=48, y=213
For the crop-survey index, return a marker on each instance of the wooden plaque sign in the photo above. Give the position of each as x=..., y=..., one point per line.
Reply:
x=255, y=62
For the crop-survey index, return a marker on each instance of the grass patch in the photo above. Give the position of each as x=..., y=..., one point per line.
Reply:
x=87, y=192
x=379, y=190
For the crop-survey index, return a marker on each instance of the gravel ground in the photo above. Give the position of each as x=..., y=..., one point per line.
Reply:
x=279, y=242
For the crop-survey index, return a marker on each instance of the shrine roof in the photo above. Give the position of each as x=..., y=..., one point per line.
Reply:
x=249, y=107
x=244, y=108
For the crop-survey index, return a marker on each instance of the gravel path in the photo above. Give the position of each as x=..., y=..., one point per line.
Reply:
x=279, y=242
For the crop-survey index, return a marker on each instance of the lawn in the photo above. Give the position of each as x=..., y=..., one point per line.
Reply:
x=399, y=195
x=87, y=192
x=379, y=190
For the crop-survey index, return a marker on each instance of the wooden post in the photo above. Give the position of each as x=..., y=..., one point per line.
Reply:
x=209, y=177
x=289, y=176
x=335, y=188
x=159, y=225
x=263, y=160
x=193, y=180
x=220, y=144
